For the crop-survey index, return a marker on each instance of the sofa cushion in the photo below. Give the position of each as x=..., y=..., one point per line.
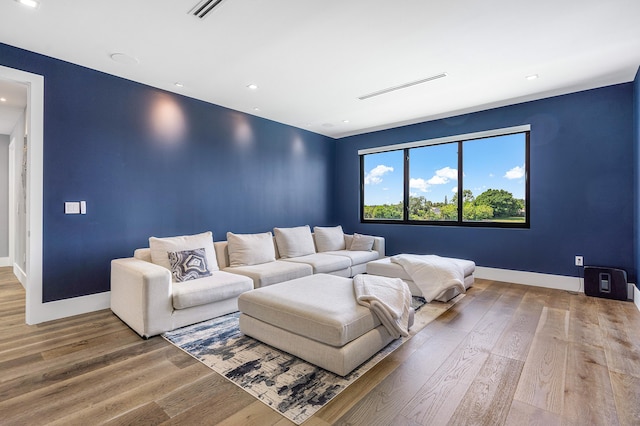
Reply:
x=143, y=254
x=294, y=242
x=329, y=238
x=361, y=242
x=160, y=248
x=219, y=286
x=357, y=257
x=273, y=272
x=322, y=262
x=189, y=264
x=250, y=249
x=320, y=307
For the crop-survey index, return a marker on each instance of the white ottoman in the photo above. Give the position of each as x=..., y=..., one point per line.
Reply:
x=385, y=268
x=316, y=318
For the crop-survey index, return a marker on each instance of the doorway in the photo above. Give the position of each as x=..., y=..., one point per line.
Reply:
x=32, y=169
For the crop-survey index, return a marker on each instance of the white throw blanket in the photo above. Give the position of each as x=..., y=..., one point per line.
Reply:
x=432, y=274
x=388, y=298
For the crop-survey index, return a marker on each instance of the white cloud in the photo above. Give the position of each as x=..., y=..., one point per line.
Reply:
x=419, y=184
x=443, y=176
x=516, y=173
x=375, y=175
x=454, y=189
x=437, y=180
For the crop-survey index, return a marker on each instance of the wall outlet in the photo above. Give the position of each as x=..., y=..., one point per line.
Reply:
x=579, y=261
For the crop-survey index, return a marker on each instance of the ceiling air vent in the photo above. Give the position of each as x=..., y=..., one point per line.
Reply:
x=402, y=86
x=203, y=8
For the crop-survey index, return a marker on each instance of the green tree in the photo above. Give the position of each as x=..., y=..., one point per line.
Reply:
x=501, y=201
x=476, y=212
x=449, y=212
x=467, y=195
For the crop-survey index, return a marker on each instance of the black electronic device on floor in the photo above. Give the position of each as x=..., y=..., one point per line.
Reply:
x=610, y=283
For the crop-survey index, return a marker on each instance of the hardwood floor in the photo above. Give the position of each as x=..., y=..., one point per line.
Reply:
x=505, y=354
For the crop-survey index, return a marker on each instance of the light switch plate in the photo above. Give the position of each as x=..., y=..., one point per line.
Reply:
x=71, y=207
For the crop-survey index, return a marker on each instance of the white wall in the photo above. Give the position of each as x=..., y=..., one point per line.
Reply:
x=4, y=196
x=19, y=209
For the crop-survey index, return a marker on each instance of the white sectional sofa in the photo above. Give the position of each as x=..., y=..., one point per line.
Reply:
x=182, y=280
x=296, y=252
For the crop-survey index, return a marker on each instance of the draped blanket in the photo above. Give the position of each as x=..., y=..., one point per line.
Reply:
x=388, y=298
x=432, y=274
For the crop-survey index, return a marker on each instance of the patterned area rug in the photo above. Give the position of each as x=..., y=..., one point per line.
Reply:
x=293, y=387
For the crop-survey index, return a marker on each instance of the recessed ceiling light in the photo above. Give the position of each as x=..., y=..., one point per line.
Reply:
x=178, y=84
x=532, y=77
x=29, y=3
x=123, y=58
x=252, y=86
x=256, y=109
x=3, y=99
x=345, y=121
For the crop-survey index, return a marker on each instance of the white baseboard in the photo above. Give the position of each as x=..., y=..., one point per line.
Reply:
x=80, y=305
x=69, y=307
x=5, y=261
x=20, y=274
x=535, y=279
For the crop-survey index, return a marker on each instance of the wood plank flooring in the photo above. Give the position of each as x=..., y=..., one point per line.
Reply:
x=506, y=354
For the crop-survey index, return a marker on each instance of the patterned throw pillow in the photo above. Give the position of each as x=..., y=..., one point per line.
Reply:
x=189, y=264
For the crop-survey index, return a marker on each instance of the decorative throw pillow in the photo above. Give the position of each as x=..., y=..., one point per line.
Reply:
x=250, y=249
x=294, y=242
x=161, y=247
x=329, y=238
x=361, y=243
x=189, y=264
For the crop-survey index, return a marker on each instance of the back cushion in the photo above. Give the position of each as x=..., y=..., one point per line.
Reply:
x=250, y=249
x=361, y=242
x=160, y=248
x=329, y=238
x=294, y=242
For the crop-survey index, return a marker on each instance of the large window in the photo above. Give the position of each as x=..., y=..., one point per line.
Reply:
x=421, y=182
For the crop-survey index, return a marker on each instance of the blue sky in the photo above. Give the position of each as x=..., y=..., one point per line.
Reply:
x=491, y=163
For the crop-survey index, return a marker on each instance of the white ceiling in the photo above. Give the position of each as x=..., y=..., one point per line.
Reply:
x=313, y=59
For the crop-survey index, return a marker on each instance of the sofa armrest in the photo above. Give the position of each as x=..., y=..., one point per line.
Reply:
x=141, y=295
x=378, y=245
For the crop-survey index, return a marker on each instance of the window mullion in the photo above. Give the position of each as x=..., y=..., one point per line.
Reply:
x=406, y=196
x=460, y=184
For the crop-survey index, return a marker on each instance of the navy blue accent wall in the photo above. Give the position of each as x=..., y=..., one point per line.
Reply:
x=149, y=162
x=582, y=183
x=636, y=135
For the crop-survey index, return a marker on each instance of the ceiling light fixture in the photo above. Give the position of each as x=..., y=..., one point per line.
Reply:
x=252, y=86
x=532, y=77
x=402, y=86
x=178, y=84
x=345, y=121
x=29, y=3
x=3, y=99
x=256, y=109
